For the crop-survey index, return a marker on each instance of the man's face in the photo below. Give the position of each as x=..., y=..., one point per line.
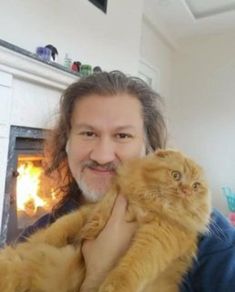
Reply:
x=105, y=131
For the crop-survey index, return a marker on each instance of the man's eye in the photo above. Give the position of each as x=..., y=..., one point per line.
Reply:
x=88, y=134
x=123, y=136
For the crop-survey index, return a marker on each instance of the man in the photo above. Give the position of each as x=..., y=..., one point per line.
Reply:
x=105, y=119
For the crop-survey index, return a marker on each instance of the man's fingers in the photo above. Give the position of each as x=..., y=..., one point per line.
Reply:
x=118, y=212
x=119, y=208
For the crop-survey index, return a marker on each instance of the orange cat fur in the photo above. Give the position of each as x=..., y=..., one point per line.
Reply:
x=46, y=262
x=169, y=198
x=40, y=268
x=167, y=195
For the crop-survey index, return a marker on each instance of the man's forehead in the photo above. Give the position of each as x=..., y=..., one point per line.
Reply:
x=122, y=102
x=119, y=112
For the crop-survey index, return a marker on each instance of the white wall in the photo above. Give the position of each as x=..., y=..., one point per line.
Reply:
x=155, y=51
x=78, y=28
x=202, y=107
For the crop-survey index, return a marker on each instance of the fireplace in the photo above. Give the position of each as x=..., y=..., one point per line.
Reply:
x=29, y=194
x=30, y=90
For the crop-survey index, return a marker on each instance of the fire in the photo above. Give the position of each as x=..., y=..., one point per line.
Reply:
x=28, y=188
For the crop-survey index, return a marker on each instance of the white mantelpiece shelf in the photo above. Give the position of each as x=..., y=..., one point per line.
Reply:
x=24, y=67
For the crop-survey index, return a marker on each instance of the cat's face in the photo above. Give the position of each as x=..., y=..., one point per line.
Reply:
x=177, y=185
x=180, y=175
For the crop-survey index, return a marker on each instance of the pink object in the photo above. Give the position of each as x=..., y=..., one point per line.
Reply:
x=231, y=217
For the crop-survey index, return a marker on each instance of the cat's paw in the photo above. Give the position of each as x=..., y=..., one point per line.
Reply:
x=130, y=215
x=137, y=213
x=92, y=228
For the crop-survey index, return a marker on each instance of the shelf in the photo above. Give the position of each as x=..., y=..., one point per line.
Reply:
x=26, y=65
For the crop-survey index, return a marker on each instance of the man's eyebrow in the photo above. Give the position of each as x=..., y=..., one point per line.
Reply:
x=90, y=127
x=82, y=126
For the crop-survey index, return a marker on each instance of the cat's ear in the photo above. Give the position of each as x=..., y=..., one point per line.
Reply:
x=162, y=153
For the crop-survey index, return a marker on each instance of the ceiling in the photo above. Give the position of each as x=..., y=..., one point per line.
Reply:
x=180, y=19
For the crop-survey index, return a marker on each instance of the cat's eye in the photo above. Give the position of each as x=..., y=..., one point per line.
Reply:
x=176, y=175
x=196, y=185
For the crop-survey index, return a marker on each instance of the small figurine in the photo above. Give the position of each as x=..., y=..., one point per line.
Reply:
x=97, y=69
x=43, y=53
x=76, y=66
x=85, y=70
x=53, y=50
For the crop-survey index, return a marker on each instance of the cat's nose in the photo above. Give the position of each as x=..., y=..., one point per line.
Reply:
x=185, y=190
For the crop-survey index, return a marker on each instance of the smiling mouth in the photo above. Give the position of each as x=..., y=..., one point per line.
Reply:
x=99, y=170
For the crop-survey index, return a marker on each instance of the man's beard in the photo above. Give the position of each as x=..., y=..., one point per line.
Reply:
x=89, y=193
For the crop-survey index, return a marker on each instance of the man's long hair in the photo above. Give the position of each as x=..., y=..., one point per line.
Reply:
x=103, y=84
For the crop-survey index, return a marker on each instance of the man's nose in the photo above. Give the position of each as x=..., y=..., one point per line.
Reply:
x=103, y=151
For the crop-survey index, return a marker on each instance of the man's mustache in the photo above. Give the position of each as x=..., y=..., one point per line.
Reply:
x=110, y=166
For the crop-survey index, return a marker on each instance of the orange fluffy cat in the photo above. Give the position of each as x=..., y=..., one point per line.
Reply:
x=167, y=195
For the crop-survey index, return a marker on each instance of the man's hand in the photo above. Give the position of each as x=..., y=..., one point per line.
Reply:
x=102, y=253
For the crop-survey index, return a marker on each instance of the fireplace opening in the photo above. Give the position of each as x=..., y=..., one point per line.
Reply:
x=29, y=194
x=35, y=194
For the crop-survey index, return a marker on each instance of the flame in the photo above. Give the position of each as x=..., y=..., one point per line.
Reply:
x=27, y=188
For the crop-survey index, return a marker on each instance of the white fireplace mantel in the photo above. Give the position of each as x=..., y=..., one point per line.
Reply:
x=33, y=70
